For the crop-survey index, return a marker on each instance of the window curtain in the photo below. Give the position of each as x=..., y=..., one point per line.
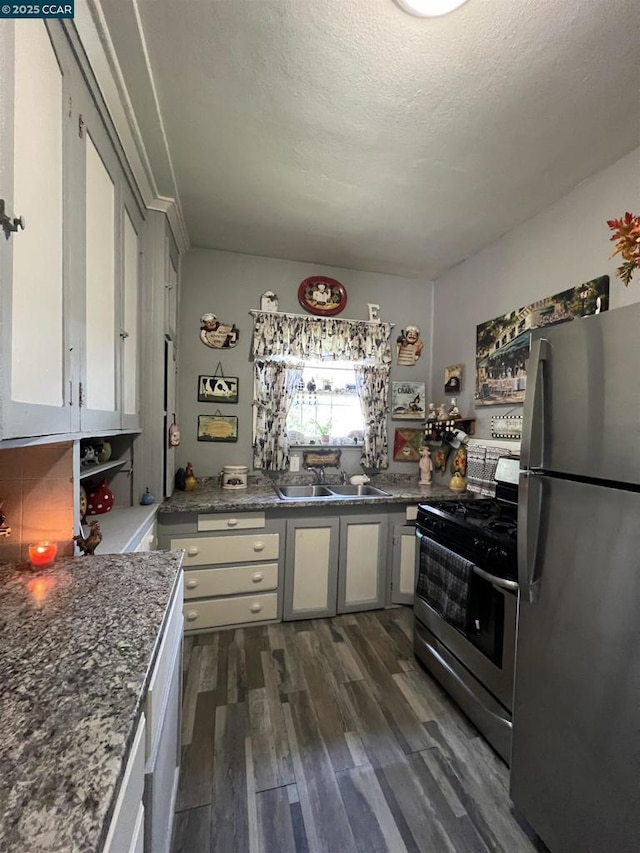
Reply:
x=372, y=382
x=275, y=385
x=281, y=343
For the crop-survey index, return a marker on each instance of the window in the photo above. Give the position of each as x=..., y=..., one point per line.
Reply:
x=326, y=406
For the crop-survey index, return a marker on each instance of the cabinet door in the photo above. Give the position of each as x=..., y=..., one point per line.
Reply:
x=311, y=568
x=34, y=349
x=363, y=562
x=405, y=555
x=130, y=325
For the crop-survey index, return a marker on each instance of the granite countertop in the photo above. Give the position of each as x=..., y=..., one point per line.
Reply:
x=260, y=495
x=78, y=640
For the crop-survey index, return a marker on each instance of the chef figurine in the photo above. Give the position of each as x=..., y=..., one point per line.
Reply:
x=443, y=414
x=431, y=414
x=425, y=467
x=454, y=411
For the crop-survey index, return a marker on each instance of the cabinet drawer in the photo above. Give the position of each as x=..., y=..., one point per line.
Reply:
x=213, y=551
x=206, y=583
x=161, y=677
x=230, y=611
x=124, y=822
x=239, y=521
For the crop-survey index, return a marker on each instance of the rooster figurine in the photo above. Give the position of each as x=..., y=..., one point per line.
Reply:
x=88, y=544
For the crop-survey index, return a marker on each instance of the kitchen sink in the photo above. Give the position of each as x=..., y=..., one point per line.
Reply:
x=363, y=491
x=299, y=493
x=292, y=493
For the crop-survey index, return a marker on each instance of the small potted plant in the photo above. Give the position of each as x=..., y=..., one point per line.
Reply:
x=324, y=430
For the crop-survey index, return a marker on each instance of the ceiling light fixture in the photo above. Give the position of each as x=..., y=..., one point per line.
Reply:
x=429, y=8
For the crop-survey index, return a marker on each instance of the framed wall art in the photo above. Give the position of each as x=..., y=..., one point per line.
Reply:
x=408, y=400
x=322, y=295
x=407, y=444
x=217, y=389
x=217, y=428
x=453, y=379
x=507, y=426
x=502, y=344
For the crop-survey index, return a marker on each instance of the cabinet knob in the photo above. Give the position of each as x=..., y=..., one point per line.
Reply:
x=193, y=551
x=192, y=615
x=256, y=577
x=256, y=608
x=258, y=546
x=232, y=522
x=192, y=583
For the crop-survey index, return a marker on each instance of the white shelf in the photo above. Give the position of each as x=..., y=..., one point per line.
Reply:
x=93, y=470
x=121, y=528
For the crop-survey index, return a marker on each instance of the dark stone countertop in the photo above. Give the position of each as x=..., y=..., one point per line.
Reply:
x=78, y=642
x=260, y=495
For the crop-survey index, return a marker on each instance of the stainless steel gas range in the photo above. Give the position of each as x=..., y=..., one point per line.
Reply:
x=466, y=602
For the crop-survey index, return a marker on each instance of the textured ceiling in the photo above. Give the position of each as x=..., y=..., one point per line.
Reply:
x=348, y=133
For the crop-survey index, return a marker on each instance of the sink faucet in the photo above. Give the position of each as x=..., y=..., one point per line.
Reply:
x=319, y=474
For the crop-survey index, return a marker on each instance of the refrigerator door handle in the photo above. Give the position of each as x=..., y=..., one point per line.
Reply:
x=529, y=514
x=532, y=445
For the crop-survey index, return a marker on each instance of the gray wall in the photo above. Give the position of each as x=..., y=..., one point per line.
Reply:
x=565, y=245
x=229, y=285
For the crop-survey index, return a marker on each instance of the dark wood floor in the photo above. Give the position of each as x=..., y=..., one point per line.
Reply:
x=328, y=737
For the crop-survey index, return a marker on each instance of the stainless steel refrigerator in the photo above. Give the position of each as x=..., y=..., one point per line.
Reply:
x=575, y=765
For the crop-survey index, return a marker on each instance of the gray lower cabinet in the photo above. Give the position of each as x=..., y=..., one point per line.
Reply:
x=404, y=561
x=335, y=565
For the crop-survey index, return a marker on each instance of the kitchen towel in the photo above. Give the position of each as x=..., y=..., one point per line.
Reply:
x=481, y=468
x=444, y=582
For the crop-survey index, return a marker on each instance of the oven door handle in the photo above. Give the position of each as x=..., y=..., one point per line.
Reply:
x=503, y=583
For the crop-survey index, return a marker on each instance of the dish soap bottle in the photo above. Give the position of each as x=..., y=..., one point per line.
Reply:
x=190, y=482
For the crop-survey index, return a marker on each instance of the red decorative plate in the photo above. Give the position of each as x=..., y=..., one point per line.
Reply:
x=322, y=295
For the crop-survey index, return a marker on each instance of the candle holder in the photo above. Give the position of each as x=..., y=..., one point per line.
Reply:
x=42, y=554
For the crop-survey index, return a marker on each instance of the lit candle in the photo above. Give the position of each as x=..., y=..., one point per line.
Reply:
x=42, y=553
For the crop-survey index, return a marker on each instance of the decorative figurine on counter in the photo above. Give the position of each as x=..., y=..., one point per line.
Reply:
x=190, y=481
x=443, y=414
x=425, y=467
x=457, y=483
x=147, y=499
x=88, y=544
x=409, y=346
x=454, y=411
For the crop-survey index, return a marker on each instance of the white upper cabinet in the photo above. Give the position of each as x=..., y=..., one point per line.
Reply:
x=69, y=291
x=34, y=350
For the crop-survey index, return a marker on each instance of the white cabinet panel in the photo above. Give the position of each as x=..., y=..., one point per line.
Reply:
x=404, y=564
x=129, y=334
x=100, y=306
x=37, y=362
x=311, y=567
x=363, y=562
x=124, y=822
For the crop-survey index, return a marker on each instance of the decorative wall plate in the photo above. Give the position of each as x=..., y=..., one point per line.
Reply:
x=322, y=295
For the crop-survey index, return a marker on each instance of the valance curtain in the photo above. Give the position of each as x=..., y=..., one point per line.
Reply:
x=281, y=344
x=292, y=336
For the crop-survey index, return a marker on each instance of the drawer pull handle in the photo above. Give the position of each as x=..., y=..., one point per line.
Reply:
x=193, y=551
x=232, y=522
x=192, y=584
x=192, y=615
x=256, y=608
x=258, y=546
x=256, y=577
